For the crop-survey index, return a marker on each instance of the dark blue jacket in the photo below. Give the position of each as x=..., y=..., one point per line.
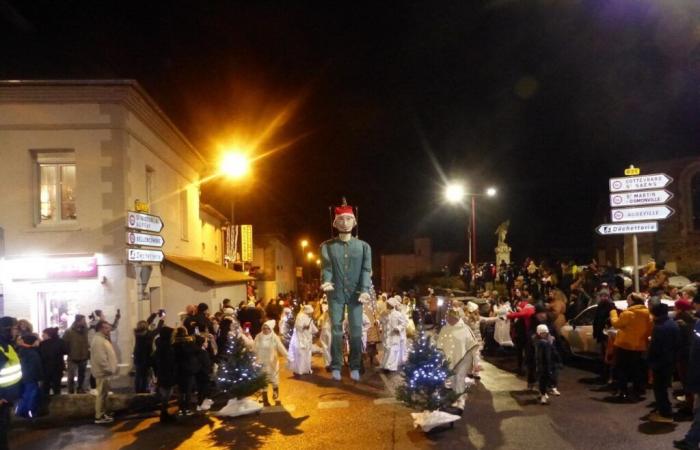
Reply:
x=693, y=380
x=665, y=342
x=30, y=360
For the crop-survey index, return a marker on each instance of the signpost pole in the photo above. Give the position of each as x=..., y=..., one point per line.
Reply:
x=635, y=257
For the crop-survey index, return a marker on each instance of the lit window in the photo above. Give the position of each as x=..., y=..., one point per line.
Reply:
x=57, y=187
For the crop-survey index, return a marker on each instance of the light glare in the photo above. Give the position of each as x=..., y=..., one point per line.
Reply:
x=454, y=193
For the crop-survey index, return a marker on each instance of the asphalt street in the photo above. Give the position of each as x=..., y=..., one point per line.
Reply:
x=318, y=413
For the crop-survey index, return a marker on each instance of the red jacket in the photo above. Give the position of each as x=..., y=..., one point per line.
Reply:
x=526, y=312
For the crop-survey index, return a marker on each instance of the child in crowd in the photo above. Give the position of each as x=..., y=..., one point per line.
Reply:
x=546, y=361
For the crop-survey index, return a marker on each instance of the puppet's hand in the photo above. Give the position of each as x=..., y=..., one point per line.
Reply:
x=364, y=298
x=327, y=286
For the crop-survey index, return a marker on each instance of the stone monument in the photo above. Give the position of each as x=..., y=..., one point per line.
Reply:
x=502, y=249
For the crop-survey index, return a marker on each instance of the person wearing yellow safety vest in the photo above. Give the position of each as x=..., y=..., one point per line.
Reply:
x=10, y=376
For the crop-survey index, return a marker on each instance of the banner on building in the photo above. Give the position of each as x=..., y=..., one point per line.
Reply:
x=247, y=243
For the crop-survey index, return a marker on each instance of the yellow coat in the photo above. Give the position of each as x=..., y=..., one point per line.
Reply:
x=634, y=328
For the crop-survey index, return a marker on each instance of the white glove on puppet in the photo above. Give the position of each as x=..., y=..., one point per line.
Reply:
x=364, y=298
x=327, y=286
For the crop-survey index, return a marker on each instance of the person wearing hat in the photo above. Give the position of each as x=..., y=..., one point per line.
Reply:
x=665, y=340
x=346, y=269
x=395, y=352
x=76, y=339
x=10, y=375
x=546, y=360
x=460, y=346
x=267, y=347
x=300, y=346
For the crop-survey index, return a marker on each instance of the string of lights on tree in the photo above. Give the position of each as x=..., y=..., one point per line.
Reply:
x=239, y=374
x=425, y=375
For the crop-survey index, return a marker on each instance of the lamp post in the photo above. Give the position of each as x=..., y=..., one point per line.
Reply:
x=455, y=193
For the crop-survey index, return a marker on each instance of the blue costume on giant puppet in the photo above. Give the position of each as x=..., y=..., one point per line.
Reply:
x=346, y=279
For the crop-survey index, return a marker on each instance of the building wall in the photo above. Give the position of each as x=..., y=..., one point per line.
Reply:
x=676, y=243
x=212, y=238
x=116, y=134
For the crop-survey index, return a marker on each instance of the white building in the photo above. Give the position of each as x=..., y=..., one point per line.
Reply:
x=275, y=264
x=76, y=155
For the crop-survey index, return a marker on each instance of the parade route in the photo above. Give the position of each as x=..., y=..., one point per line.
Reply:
x=316, y=412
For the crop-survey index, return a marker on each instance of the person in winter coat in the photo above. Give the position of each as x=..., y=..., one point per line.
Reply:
x=395, y=351
x=557, y=306
x=685, y=319
x=143, y=347
x=373, y=334
x=546, y=362
x=76, y=338
x=633, y=330
x=299, y=357
x=165, y=370
x=199, y=321
x=103, y=365
x=203, y=375
x=665, y=341
x=600, y=323
x=30, y=361
x=51, y=350
x=11, y=371
x=187, y=366
x=521, y=326
x=267, y=348
x=692, y=437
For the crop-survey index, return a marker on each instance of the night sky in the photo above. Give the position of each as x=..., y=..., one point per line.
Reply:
x=381, y=103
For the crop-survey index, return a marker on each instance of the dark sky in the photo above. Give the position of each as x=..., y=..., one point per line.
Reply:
x=543, y=99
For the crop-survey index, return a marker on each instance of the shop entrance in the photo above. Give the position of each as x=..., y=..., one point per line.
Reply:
x=56, y=309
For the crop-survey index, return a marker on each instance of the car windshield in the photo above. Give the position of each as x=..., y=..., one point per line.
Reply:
x=586, y=317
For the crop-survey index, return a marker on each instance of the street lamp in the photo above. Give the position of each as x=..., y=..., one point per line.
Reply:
x=234, y=165
x=455, y=193
x=310, y=256
x=304, y=243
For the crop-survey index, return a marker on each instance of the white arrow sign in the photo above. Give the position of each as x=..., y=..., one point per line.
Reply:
x=141, y=221
x=628, y=228
x=653, y=181
x=149, y=240
x=143, y=255
x=660, y=212
x=637, y=198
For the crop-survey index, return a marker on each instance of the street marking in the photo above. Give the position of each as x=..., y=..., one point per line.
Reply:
x=334, y=404
x=278, y=409
x=385, y=401
x=387, y=383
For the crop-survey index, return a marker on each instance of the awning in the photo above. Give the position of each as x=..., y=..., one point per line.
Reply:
x=209, y=271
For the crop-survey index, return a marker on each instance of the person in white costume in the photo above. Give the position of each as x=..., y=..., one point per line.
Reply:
x=394, y=336
x=300, y=346
x=325, y=325
x=461, y=348
x=267, y=348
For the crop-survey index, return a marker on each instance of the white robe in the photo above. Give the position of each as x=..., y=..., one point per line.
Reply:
x=501, y=332
x=461, y=349
x=267, y=347
x=326, y=338
x=366, y=324
x=300, y=346
x=395, y=352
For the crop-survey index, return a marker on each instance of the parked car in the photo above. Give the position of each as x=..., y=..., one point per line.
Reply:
x=577, y=335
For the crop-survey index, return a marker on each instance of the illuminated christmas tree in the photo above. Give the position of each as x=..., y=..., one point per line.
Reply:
x=239, y=374
x=424, y=376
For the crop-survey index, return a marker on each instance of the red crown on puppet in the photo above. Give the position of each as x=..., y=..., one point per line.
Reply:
x=344, y=209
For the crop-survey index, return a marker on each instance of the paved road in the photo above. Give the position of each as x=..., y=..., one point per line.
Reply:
x=317, y=413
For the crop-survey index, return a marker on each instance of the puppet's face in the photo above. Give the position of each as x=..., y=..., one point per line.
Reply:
x=344, y=223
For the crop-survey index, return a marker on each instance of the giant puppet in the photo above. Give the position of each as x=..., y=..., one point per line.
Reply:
x=346, y=279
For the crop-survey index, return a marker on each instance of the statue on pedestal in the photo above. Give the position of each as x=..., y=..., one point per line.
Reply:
x=502, y=249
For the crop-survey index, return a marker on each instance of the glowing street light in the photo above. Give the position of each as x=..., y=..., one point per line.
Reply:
x=318, y=262
x=491, y=192
x=454, y=193
x=310, y=256
x=235, y=164
x=304, y=243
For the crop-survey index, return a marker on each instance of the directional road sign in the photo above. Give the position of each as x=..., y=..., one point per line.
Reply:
x=628, y=228
x=148, y=240
x=659, y=212
x=641, y=182
x=638, y=198
x=143, y=255
x=145, y=222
